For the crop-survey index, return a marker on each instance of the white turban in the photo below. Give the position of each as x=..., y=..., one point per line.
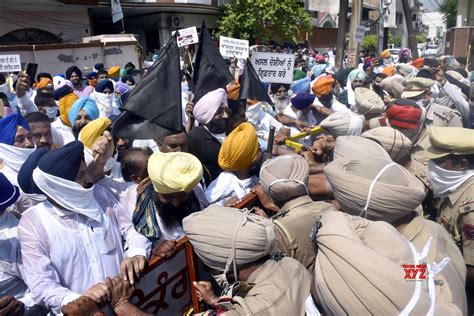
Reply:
x=174, y=172
x=208, y=105
x=375, y=188
x=343, y=123
x=226, y=238
x=392, y=140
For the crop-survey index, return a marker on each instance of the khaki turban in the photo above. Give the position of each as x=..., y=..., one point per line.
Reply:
x=393, y=141
x=240, y=149
x=285, y=177
x=343, y=123
x=395, y=191
x=224, y=236
x=394, y=86
x=174, y=172
x=357, y=147
x=359, y=269
x=368, y=102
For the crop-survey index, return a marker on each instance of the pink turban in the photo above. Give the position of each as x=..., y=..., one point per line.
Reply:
x=208, y=105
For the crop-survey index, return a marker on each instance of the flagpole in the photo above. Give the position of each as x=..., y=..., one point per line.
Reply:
x=123, y=27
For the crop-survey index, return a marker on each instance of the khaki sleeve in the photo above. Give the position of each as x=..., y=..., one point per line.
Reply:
x=468, y=238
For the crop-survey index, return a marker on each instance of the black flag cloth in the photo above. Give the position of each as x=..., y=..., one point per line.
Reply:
x=154, y=106
x=250, y=85
x=210, y=70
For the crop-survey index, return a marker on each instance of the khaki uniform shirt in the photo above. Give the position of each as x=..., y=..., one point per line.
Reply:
x=418, y=232
x=297, y=217
x=419, y=164
x=280, y=288
x=456, y=214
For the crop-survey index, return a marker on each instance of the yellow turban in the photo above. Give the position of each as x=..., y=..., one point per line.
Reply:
x=240, y=149
x=174, y=172
x=93, y=130
x=65, y=104
x=114, y=72
x=385, y=54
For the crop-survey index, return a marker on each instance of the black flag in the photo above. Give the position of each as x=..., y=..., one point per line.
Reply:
x=154, y=106
x=210, y=70
x=250, y=85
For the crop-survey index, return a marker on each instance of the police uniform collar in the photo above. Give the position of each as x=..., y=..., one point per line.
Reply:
x=413, y=228
x=456, y=195
x=302, y=200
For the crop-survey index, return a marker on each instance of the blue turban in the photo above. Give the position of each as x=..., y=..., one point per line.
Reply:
x=357, y=73
x=91, y=75
x=25, y=175
x=72, y=69
x=63, y=162
x=104, y=84
x=302, y=100
x=8, y=193
x=8, y=126
x=318, y=69
x=300, y=86
x=88, y=105
x=61, y=92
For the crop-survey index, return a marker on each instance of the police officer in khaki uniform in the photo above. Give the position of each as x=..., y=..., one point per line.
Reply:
x=451, y=172
x=285, y=180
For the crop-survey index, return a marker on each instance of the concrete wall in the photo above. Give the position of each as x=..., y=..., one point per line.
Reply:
x=433, y=20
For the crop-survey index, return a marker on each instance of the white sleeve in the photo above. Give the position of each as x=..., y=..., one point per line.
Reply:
x=459, y=102
x=25, y=105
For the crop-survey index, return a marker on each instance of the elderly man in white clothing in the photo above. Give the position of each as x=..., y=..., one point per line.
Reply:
x=72, y=240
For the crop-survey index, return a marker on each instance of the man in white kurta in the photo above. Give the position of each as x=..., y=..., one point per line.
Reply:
x=72, y=240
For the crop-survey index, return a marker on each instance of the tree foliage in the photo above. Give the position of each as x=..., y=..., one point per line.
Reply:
x=280, y=21
x=370, y=42
x=420, y=38
x=449, y=9
x=395, y=40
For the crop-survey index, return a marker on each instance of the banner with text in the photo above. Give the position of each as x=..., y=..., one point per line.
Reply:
x=233, y=47
x=10, y=63
x=187, y=36
x=274, y=67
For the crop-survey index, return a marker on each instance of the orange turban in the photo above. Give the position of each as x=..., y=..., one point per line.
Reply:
x=323, y=85
x=385, y=54
x=114, y=72
x=65, y=104
x=43, y=83
x=389, y=71
x=418, y=63
x=240, y=149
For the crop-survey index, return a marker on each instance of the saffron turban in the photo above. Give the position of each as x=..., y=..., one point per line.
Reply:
x=404, y=114
x=65, y=104
x=8, y=193
x=343, y=124
x=385, y=54
x=43, y=83
x=71, y=70
x=174, y=172
x=88, y=105
x=240, y=149
x=395, y=191
x=208, y=105
x=389, y=71
x=418, y=63
x=393, y=141
x=356, y=146
x=8, y=127
x=285, y=177
x=100, y=87
x=93, y=130
x=114, y=72
x=368, y=102
x=223, y=235
x=322, y=85
x=394, y=86
x=359, y=270
x=357, y=73
x=302, y=100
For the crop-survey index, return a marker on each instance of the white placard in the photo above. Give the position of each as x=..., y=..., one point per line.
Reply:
x=360, y=32
x=187, y=36
x=274, y=67
x=10, y=63
x=233, y=47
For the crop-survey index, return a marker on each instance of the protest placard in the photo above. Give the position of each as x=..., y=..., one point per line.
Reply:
x=274, y=67
x=187, y=36
x=360, y=32
x=10, y=63
x=233, y=47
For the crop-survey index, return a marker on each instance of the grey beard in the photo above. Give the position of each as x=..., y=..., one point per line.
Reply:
x=281, y=103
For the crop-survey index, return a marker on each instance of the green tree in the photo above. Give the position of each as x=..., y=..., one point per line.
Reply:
x=395, y=40
x=281, y=21
x=449, y=9
x=420, y=39
x=370, y=42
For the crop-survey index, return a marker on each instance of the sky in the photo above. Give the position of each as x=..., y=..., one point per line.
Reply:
x=431, y=5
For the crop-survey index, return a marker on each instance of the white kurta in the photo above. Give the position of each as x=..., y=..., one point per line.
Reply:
x=226, y=186
x=62, y=134
x=65, y=253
